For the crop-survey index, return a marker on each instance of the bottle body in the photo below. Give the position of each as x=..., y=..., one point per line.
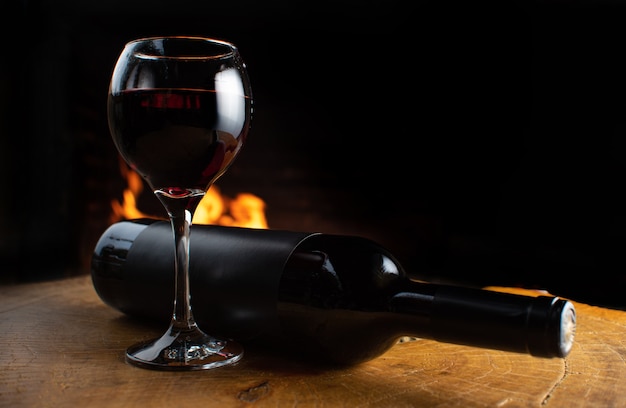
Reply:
x=343, y=298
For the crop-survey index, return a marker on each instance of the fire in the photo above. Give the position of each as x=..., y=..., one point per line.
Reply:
x=245, y=210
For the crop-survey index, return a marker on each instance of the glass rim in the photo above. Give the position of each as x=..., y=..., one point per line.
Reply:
x=229, y=49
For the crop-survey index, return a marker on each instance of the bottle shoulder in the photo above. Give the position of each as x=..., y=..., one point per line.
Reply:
x=334, y=271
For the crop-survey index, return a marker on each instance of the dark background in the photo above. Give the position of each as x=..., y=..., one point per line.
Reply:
x=481, y=142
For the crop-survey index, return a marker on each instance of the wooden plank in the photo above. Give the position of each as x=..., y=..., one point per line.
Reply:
x=62, y=346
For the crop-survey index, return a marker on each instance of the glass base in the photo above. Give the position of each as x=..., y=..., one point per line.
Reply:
x=184, y=350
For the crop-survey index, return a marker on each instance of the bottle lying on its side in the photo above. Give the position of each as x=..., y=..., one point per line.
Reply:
x=343, y=299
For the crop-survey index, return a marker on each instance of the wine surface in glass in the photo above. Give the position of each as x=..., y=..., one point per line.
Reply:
x=178, y=138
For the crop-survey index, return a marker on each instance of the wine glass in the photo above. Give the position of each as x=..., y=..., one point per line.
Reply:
x=179, y=112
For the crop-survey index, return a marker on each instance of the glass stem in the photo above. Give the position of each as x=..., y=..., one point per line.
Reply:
x=182, y=318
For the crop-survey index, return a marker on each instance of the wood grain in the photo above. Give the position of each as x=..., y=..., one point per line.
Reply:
x=61, y=346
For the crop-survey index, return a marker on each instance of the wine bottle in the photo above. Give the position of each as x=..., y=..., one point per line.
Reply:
x=344, y=299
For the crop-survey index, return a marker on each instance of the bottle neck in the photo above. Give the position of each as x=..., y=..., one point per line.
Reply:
x=410, y=307
x=541, y=326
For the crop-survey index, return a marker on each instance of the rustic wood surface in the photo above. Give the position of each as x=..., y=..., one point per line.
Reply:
x=62, y=347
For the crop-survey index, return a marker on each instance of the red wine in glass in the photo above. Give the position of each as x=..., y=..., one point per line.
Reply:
x=193, y=138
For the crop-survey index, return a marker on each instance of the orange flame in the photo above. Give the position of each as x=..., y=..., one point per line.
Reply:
x=245, y=210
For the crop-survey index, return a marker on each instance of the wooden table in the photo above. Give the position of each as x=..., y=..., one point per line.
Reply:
x=62, y=347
